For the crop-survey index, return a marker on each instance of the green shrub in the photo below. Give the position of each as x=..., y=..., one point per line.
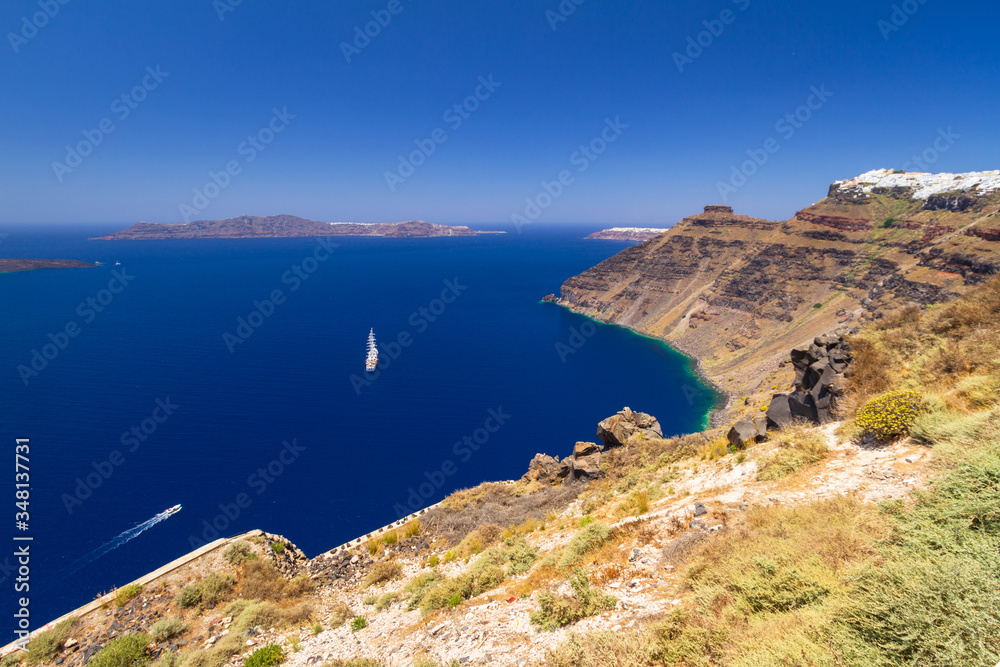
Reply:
x=369, y=600
x=557, y=611
x=126, y=594
x=45, y=646
x=419, y=586
x=386, y=600
x=358, y=623
x=237, y=607
x=216, y=587
x=513, y=556
x=189, y=596
x=124, y=651
x=213, y=589
x=891, y=415
x=266, y=656
x=589, y=539
x=278, y=547
x=167, y=628
x=237, y=552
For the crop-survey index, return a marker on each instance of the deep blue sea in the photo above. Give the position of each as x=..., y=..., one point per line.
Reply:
x=151, y=403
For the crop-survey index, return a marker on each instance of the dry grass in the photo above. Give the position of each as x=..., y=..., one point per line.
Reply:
x=949, y=349
x=478, y=540
x=382, y=573
x=494, y=503
x=798, y=445
x=261, y=580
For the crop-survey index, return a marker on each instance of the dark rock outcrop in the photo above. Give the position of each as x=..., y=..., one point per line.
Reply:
x=547, y=470
x=583, y=464
x=820, y=371
x=948, y=202
x=585, y=461
x=746, y=432
x=616, y=430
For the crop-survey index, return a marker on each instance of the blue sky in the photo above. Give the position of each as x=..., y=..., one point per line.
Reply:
x=893, y=78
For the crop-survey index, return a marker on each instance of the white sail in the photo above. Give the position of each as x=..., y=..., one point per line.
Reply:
x=371, y=361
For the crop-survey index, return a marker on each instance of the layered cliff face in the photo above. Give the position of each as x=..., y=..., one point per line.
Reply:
x=737, y=292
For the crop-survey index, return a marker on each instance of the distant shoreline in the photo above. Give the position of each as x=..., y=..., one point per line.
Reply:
x=284, y=226
x=723, y=398
x=13, y=265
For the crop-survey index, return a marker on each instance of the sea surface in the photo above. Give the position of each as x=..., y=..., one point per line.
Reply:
x=170, y=390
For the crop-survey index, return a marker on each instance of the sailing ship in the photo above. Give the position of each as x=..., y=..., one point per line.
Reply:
x=372, y=360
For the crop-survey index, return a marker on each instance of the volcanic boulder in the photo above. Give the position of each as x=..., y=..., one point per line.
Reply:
x=820, y=371
x=746, y=432
x=615, y=431
x=547, y=470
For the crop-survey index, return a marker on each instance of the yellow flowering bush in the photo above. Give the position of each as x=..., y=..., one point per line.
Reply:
x=891, y=415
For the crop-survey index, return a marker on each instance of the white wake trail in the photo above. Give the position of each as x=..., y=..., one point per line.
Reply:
x=117, y=541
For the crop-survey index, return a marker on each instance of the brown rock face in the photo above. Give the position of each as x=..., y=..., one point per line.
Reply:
x=615, y=431
x=737, y=292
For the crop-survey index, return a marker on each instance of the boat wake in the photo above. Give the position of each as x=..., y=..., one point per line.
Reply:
x=120, y=540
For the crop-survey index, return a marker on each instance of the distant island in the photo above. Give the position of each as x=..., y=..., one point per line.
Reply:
x=11, y=265
x=628, y=233
x=282, y=226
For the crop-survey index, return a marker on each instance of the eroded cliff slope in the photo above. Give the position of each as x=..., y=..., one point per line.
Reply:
x=737, y=292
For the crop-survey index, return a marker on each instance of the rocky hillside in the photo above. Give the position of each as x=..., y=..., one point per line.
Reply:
x=11, y=265
x=737, y=292
x=278, y=226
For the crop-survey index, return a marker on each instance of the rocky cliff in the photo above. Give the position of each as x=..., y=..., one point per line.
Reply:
x=736, y=292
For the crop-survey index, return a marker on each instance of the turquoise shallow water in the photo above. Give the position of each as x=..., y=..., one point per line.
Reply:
x=173, y=390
